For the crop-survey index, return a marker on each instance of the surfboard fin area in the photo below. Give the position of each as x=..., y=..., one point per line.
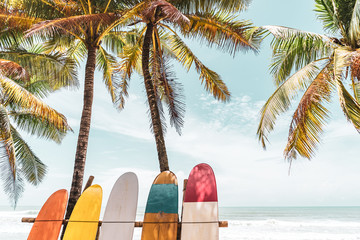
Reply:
x=199, y=218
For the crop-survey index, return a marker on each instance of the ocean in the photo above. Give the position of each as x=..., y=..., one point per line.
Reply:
x=245, y=223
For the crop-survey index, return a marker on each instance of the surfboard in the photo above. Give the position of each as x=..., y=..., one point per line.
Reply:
x=120, y=211
x=200, y=207
x=84, y=219
x=49, y=220
x=161, y=212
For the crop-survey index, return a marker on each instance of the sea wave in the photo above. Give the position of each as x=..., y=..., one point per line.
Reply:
x=301, y=223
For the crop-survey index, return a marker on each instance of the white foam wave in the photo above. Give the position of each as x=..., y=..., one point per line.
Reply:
x=281, y=223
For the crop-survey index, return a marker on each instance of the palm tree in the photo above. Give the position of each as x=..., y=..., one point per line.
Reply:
x=163, y=23
x=322, y=65
x=89, y=28
x=98, y=25
x=27, y=74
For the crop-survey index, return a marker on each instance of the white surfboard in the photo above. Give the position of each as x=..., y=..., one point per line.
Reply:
x=120, y=211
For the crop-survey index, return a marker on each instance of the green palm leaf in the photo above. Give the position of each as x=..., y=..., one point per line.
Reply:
x=293, y=49
x=58, y=69
x=10, y=175
x=223, y=30
x=213, y=82
x=171, y=92
x=194, y=6
x=106, y=63
x=40, y=126
x=327, y=14
x=29, y=164
x=280, y=100
x=130, y=62
x=354, y=28
x=39, y=88
x=23, y=99
x=74, y=25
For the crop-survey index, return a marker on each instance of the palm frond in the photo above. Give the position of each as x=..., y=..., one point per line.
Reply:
x=6, y=139
x=40, y=126
x=309, y=118
x=194, y=6
x=106, y=63
x=280, y=100
x=130, y=62
x=128, y=17
x=163, y=10
x=29, y=164
x=213, y=82
x=12, y=181
x=327, y=14
x=13, y=70
x=222, y=30
x=162, y=116
x=293, y=49
x=74, y=25
x=39, y=88
x=115, y=41
x=349, y=105
x=171, y=92
x=354, y=28
x=16, y=21
x=23, y=99
x=57, y=68
x=67, y=45
x=51, y=9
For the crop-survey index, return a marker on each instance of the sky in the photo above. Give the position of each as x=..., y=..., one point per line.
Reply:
x=220, y=134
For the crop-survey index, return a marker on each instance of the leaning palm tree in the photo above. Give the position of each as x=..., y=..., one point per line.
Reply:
x=163, y=24
x=322, y=65
x=27, y=74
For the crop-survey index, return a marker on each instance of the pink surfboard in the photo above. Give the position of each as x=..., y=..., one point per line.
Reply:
x=200, y=215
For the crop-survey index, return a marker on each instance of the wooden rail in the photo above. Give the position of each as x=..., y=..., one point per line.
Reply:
x=137, y=224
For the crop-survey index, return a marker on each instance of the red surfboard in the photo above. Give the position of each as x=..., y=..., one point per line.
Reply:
x=200, y=207
x=49, y=220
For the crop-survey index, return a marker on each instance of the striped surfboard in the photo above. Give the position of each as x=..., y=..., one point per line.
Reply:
x=161, y=213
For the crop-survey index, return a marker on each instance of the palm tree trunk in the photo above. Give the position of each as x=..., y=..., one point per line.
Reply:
x=81, y=149
x=154, y=110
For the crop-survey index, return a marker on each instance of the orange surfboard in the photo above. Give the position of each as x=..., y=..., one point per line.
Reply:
x=49, y=220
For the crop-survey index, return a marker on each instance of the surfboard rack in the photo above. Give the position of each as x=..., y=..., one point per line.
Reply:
x=136, y=224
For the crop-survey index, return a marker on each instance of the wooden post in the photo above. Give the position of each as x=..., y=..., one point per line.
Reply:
x=89, y=182
x=179, y=228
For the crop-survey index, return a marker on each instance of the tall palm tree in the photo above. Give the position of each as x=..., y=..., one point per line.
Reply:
x=89, y=27
x=163, y=23
x=322, y=65
x=27, y=74
x=99, y=25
